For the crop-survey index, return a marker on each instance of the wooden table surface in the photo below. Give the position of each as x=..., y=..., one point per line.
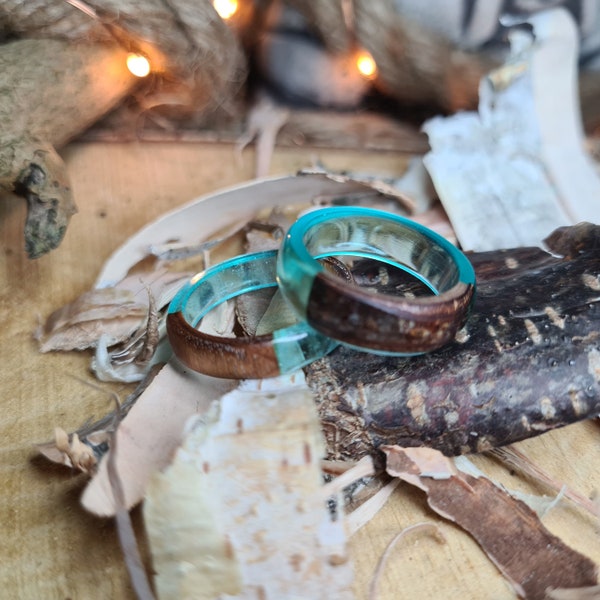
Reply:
x=49, y=547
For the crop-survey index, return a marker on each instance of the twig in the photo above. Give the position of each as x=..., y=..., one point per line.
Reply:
x=127, y=538
x=109, y=421
x=337, y=467
x=363, y=468
x=514, y=458
x=369, y=508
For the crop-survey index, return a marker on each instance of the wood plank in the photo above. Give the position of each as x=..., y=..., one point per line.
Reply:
x=50, y=548
x=312, y=129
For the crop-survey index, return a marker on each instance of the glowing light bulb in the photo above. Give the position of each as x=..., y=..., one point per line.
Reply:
x=366, y=65
x=225, y=8
x=138, y=65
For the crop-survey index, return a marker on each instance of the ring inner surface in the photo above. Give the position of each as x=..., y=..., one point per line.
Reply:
x=389, y=242
x=291, y=346
x=221, y=285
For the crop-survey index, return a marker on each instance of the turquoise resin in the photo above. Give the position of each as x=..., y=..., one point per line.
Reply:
x=368, y=233
x=295, y=346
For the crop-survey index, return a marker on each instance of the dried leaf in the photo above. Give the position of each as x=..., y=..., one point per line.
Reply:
x=250, y=309
x=130, y=362
x=241, y=510
x=509, y=532
x=159, y=283
x=69, y=451
x=114, y=312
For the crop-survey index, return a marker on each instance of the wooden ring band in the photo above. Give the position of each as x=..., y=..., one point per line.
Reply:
x=283, y=351
x=382, y=323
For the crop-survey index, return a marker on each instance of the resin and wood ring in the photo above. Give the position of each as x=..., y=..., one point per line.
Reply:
x=283, y=351
x=358, y=317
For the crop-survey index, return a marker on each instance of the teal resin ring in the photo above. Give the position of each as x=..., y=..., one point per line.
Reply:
x=358, y=317
x=283, y=351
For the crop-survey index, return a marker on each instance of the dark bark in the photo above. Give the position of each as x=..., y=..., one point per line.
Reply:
x=527, y=361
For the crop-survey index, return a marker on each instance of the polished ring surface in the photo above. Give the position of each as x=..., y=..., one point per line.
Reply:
x=283, y=351
x=355, y=316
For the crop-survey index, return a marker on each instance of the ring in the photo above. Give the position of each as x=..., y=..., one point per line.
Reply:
x=283, y=351
x=357, y=317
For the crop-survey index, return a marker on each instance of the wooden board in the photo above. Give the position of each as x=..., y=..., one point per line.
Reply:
x=49, y=547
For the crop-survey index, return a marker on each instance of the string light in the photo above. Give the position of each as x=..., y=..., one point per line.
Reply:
x=225, y=8
x=138, y=65
x=366, y=65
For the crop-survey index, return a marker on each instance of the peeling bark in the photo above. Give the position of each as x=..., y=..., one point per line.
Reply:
x=529, y=556
x=528, y=361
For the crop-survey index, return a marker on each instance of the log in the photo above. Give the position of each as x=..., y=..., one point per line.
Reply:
x=528, y=361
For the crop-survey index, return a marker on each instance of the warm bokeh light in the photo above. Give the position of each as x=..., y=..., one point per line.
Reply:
x=225, y=8
x=138, y=65
x=366, y=65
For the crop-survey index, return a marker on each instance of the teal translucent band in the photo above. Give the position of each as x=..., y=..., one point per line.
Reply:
x=383, y=323
x=284, y=351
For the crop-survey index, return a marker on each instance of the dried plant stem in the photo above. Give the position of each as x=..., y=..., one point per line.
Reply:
x=369, y=508
x=83, y=7
x=127, y=538
x=363, y=468
x=110, y=422
x=425, y=527
x=514, y=458
x=337, y=467
x=585, y=593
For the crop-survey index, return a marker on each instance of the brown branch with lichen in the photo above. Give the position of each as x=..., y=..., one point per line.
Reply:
x=67, y=68
x=49, y=91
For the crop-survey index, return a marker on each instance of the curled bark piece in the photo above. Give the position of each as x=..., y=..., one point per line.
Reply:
x=151, y=433
x=508, y=531
x=528, y=361
x=482, y=162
